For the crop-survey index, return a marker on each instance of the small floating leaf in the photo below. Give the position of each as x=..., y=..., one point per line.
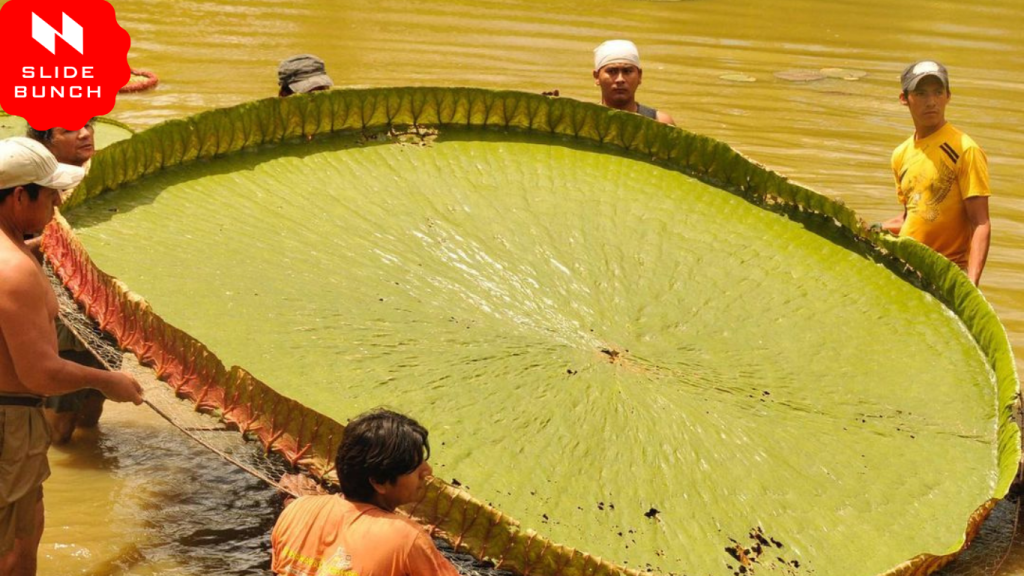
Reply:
x=738, y=77
x=843, y=73
x=800, y=75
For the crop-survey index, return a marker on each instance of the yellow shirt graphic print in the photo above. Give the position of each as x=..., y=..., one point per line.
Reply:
x=934, y=176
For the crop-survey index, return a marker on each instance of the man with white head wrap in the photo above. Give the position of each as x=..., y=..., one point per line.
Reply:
x=618, y=73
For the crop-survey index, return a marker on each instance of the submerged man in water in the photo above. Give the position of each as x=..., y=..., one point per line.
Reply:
x=30, y=368
x=941, y=176
x=301, y=74
x=381, y=464
x=81, y=408
x=618, y=73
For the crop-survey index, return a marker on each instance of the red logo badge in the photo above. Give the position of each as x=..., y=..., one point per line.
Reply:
x=63, y=61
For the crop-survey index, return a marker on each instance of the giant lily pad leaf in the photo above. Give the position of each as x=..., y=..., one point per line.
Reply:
x=629, y=338
x=107, y=132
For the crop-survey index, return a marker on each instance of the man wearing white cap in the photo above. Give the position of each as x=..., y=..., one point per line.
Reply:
x=618, y=73
x=30, y=183
x=941, y=176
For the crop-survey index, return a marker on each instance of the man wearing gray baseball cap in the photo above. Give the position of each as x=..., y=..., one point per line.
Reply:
x=301, y=74
x=941, y=176
x=30, y=368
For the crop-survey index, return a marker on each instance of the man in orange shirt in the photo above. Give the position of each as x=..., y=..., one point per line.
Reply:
x=941, y=176
x=382, y=464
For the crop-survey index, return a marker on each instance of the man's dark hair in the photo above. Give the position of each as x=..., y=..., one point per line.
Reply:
x=32, y=189
x=42, y=136
x=379, y=445
x=46, y=136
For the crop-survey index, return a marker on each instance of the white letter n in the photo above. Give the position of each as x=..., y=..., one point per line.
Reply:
x=44, y=33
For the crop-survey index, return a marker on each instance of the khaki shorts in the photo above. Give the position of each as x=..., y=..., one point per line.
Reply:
x=24, y=440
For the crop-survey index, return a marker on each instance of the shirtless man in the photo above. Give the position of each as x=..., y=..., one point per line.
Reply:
x=81, y=408
x=618, y=73
x=30, y=368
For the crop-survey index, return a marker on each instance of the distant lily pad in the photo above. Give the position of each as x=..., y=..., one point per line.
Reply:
x=739, y=77
x=800, y=75
x=140, y=81
x=843, y=73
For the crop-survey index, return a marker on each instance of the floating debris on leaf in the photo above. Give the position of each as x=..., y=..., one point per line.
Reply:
x=754, y=554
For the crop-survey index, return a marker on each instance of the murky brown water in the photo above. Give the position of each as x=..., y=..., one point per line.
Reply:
x=151, y=510
x=136, y=497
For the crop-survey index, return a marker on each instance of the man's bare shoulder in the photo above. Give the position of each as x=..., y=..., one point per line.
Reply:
x=19, y=272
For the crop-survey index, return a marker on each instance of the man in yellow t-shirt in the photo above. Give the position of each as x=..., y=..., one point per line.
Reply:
x=941, y=176
x=382, y=464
